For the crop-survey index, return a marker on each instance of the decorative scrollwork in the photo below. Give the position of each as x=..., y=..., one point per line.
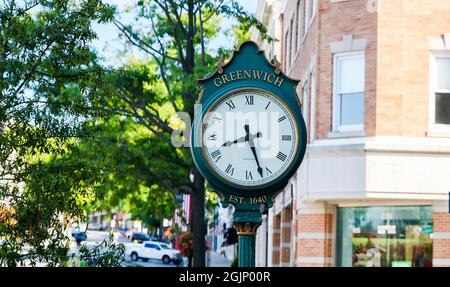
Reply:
x=277, y=64
x=220, y=65
x=246, y=228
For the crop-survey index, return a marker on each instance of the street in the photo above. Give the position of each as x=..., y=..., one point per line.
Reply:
x=214, y=259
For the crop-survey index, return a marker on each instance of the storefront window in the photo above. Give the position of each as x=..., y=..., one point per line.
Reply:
x=383, y=236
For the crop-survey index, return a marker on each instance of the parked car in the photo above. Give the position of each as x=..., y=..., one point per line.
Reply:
x=153, y=250
x=140, y=237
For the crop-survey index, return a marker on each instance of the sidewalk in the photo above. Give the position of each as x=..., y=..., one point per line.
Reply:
x=217, y=260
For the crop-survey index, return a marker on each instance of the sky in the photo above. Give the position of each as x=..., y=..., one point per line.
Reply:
x=109, y=45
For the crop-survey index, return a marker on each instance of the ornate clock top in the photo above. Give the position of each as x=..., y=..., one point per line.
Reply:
x=249, y=137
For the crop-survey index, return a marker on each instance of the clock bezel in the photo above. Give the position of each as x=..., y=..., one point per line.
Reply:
x=262, y=93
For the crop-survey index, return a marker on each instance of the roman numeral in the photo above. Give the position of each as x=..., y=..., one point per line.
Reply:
x=268, y=171
x=281, y=156
x=249, y=100
x=231, y=105
x=216, y=155
x=281, y=119
x=229, y=170
x=286, y=138
x=248, y=175
x=268, y=104
x=212, y=137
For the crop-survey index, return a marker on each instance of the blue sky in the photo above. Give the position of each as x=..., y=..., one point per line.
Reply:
x=109, y=45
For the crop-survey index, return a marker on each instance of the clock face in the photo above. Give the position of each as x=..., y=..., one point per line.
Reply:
x=249, y=138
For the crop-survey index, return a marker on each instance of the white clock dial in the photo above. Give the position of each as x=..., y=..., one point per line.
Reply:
x=249, y=138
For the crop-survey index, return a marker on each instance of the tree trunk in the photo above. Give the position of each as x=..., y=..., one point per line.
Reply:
x=198, y=219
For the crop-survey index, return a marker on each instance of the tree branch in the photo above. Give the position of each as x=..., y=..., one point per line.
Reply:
x=138, y=42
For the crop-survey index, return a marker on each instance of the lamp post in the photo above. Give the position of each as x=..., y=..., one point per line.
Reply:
x=221, y=165
x=246, y=223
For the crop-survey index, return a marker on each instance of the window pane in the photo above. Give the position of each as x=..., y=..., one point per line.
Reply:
x=351, y=75
x=442, y=114
x=352, y=109
x=443, y=73
x=385, y=236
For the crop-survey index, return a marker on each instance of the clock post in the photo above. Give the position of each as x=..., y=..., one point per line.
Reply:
x=246, y=224
x=233, y=160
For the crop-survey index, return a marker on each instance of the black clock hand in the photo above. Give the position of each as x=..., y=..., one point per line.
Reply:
x=239, y=140
x=252, y=146
x=247, y=132
x=260, y=170
x=242, y=139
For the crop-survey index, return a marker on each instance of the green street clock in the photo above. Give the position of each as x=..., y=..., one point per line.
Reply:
x=248, y=137
x=240, y=158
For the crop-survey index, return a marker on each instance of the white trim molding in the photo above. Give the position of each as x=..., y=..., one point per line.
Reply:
x=286, y=225
x=346, y=130
x=314, y=235
x=355, y=165
x=314, y=260
x=275, y=231
x=437, y=262
x=434, y=129
x=348, y=44
x=286, y=245
x=441, y=235
x=440, y=44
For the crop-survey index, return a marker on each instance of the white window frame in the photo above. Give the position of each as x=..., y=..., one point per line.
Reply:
x=315, y=7
x=309, y=6
x=291, y=41
x=312, y=113
x=337, y=127
x=298, y=26
x=287, y=62
x=307, y=17
x=305, y=96
x=432, y=126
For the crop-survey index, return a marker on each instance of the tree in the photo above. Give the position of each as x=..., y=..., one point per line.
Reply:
x=175, y=34
x=45, y=65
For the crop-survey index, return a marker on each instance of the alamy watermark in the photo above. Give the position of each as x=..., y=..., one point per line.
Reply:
x=262, y=129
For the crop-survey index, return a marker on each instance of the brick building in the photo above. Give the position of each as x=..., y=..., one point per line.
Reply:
x=374, y=186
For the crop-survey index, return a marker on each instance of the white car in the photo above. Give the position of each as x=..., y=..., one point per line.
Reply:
x=153, y=250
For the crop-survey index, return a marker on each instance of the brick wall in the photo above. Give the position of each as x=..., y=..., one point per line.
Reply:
x=336, y=20
x=441, y=240
x=314, y=244
x=404, y=27
x=396, y=89
x=286, y=236
x=276, y=240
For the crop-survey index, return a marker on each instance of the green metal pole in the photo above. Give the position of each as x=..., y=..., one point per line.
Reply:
x=246, y=251
x=246, y=223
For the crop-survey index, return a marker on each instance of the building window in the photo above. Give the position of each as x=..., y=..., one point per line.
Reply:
x=385, y=236
x=286, y=58
x=305, y=103
x=312, y=117
x=307, y=16
x=348, y=95
x=291, y=43
x=314, y=8
x=297, y=27
x=440, y=92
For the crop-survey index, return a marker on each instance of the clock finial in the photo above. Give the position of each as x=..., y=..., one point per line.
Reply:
x=275, y=62
x=221, y=62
